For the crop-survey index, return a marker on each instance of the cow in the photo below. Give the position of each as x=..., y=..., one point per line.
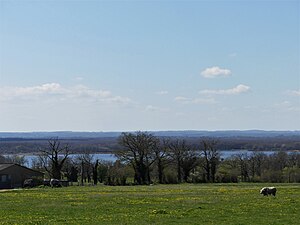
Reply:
x=55, y=183
x=268, y=191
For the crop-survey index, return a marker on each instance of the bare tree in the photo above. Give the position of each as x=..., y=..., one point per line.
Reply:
x=177, y=155
x=117, y=173
x=189, y=162
x=37, y=163
x=184, y=157
x=243, y=162
x=71, y=170
x=86, y=165
x=162, y=152
x=138, y=150
x=17, y=159
x=95, y=172
x=211, y=159
x=54, y=157
x=256, y=162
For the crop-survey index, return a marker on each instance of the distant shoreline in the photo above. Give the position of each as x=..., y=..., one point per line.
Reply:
x=173, y=133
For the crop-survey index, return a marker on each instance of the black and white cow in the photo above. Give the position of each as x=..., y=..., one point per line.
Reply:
x=55, y=183
x=268, y=191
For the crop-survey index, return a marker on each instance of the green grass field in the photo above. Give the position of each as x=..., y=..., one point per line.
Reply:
x=157, y=204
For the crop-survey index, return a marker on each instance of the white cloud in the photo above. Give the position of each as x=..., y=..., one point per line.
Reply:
x=203, y=101
x=79, y=78
x=180, y=114
x=194, y=100
x=180, y=99
x=294, y=92
x=233, y=54
x=162, y=92
x=51, y=88
x=83, y=91
x=286, y=106
x=152, y=108
x=215, y=71
x=58, y=92
x=8, y=93
x=241, y=88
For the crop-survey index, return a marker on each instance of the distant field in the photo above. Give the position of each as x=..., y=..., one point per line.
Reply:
x=157, y=204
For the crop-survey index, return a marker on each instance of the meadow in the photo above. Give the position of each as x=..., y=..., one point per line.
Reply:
x=156, y=204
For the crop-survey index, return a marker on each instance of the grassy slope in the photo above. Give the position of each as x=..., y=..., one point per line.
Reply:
x=158, y=204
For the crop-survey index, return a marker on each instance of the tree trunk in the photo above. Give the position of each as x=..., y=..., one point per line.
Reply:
x=160, y=172
x=179, y=170
x=82, y=172
x=95, y=173
x=56, y=172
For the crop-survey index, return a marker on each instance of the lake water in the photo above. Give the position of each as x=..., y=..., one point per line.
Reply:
x=104, y=157
x=111, y=157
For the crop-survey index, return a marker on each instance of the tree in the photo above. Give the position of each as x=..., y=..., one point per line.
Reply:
x=162, y=153
x=95, y=172
x=73, y=176
x=88, y=162
x=177, y=155
x=117, y=173
x=54, y=157
x=85, y=162
x=256, y=162
x=211, y=158
x=17, y=159
x=226, y=172
x=189, y=162
x=280, y=160
x=102, y=173
x=138, y=151
x=184, y=157
x=243, y=162
x=70, y=170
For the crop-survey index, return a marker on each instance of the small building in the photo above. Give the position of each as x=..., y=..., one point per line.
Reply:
x=14, y=175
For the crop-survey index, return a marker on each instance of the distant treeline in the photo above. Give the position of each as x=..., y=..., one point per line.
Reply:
x=111, y=145
x=24, y=146
x=143, y=158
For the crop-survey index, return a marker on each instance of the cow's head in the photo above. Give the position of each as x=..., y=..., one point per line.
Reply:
x=264, y=191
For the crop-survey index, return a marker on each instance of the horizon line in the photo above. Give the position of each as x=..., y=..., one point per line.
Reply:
x=175, y=130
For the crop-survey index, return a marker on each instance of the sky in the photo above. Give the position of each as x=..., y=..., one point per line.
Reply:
x=149, y=65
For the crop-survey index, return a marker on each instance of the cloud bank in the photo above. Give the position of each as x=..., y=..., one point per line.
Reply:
x=58, y=92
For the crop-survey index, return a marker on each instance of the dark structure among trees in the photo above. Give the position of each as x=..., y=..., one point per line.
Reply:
x=14, y=175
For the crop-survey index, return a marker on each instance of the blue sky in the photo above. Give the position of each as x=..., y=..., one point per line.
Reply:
x=149, y=65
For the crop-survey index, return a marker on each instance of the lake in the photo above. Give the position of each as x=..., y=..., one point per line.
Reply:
x=111, y=157
x=99, y=156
